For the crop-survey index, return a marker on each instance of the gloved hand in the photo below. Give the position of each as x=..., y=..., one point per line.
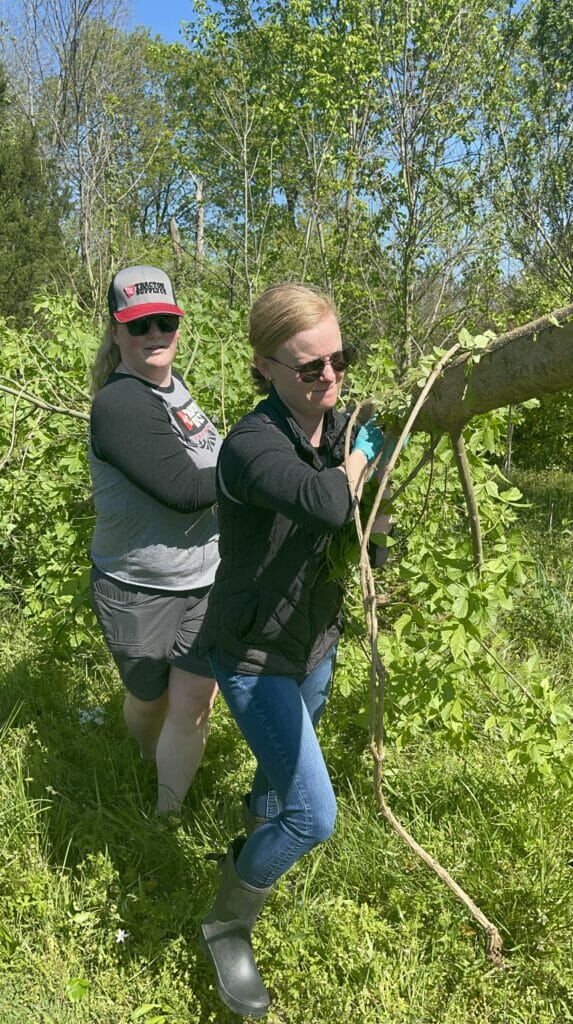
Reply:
x=369, y=439
x=390, y=447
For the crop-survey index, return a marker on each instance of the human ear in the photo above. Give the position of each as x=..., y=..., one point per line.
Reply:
x=262, y=365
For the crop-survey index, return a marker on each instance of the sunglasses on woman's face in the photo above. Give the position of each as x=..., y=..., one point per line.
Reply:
x=166, y=322
x=312, y=371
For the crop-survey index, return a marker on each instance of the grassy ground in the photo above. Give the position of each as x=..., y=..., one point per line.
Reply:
x=358, y=929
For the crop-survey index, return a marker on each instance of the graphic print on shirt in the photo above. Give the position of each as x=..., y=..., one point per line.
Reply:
x=197, y=430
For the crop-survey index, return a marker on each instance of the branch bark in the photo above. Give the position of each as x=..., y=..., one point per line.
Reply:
x=465, y=475
x=530, y=361
x=493, y=940
x=34, y=400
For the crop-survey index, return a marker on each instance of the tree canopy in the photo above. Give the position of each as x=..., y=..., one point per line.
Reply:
x=33, y=206
x=415, y=162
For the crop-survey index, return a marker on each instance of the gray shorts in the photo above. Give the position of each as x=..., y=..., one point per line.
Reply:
x=149, y=630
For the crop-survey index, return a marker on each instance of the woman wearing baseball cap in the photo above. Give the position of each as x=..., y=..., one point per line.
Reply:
x=152, y=459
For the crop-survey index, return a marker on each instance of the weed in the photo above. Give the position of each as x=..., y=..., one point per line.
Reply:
x=358, y=929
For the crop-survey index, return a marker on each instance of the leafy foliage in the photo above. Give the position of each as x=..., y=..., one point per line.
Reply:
x=32, y=209
x=45, y=503
x=81, y=859
x=442, y=638
x=543, y=436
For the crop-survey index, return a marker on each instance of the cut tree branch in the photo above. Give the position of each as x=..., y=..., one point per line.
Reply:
x=530, y=361
x=493, y=940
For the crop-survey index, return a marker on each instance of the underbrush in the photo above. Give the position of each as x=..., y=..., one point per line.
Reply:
x=543, y=619
x=358, y=929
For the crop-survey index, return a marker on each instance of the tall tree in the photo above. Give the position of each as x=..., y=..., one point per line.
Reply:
x=93, y=92
x=31, y=245
x=347, y=143
x=533, y=124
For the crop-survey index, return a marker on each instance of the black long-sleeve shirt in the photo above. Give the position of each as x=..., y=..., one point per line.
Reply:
x=273, y=608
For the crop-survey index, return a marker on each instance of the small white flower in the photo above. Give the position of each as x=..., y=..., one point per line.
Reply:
x=121, y=935
x=95, y=715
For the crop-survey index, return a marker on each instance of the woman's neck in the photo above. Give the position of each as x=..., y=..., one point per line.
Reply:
x=315, y=437
x=313, y=426
x=161, y=378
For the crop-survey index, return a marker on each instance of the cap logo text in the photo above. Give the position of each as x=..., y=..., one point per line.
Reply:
x=145, y=288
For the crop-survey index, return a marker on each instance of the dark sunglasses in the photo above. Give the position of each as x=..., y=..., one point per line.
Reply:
x=312, y=371
x=167, y=323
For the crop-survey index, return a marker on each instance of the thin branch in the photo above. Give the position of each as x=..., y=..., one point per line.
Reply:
x=493, y=940
x=463, y=466
x=433, y=377
x=544, y=323
x=508, y=673
x=27, y=397
x=411, y=476
x=8, y=454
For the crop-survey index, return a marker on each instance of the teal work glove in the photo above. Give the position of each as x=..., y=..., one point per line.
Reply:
x=369, y=439
x=390, y=447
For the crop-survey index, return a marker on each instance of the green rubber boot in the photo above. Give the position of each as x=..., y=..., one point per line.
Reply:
x=226, y=940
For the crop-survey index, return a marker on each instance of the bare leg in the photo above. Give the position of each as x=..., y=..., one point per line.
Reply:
x=182, y=739
x=144, y=720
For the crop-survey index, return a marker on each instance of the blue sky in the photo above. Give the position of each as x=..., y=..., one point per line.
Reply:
x=161, y=16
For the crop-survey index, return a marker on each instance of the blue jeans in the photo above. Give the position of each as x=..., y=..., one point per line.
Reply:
x=291, y=786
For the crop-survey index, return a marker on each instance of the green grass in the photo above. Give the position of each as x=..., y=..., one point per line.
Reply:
x=543, y=619
x=357, y=930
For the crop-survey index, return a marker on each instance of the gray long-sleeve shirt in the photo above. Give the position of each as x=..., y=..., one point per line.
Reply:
x=152, y=459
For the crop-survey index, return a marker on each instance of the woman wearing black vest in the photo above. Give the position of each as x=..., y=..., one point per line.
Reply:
x=155, y=547
x=273, y=618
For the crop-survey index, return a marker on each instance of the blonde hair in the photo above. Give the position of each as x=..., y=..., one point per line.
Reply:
x=279, y=313
x=107, y=358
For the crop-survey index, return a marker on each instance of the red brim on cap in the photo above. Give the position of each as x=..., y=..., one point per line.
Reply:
x=123, y=316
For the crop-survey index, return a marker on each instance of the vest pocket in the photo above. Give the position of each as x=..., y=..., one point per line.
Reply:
x=264, y=617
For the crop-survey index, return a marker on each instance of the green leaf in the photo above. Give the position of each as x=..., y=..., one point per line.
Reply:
x=144, y=1009
x=380, y=540
x=83, y=917
x=458, y=641
x=77, y=988
x=402, y=623
x=513, y=494
x=460, y=607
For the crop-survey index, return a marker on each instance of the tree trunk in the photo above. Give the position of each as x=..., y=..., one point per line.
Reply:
x=200, y=223
x=528, y=362
x=178, y=250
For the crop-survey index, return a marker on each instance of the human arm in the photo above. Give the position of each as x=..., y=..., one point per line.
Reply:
x=131, y=429
x=260, y=466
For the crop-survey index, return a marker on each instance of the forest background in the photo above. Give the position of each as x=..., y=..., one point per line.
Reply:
x=416, y=162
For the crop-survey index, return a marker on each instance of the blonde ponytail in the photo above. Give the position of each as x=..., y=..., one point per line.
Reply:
x=107, y=358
